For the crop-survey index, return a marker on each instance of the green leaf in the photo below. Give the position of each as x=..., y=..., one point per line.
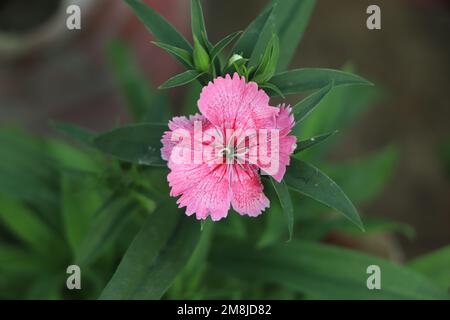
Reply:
x=139, y=143
x=294, y=17
x=286, y=203
x=308, y=143
x=27, y=226
x=308, y=180
x=79, y=203
x=143, y=200
x=177, y=52
x=341, y=107
x=107, y=223
x=160, y=27
x=222, y=44
x=156, y=255
x=181, y=79
x=189, y=282
x=338, y=110
x=265, y=36
x=135, y=87
x=321, y=271
x=273, y=88
x=434, y=265
x=307, y=105
x=275, y=223
x=28, y=173
x=68, y=157
x=198, y=23
x=266, y=68
x=14, y=259
x=78, y=134
x=236, y=64
x=288, y=19
x=191, y=98
x=307, y=79
x=246, y=43
x=363, y=179
x=46, y=287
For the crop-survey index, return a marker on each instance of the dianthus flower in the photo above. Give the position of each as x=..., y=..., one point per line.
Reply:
x=216, y=157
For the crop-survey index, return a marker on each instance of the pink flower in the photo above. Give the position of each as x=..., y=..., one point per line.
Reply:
x=215, y=158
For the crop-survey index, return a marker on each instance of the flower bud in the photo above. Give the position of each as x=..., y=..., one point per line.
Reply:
x=234, y=58
x=201, y=57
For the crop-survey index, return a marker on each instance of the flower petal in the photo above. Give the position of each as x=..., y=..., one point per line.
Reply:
x=204, y=189
x=232, y=103
x=180, y=123
x=284, y=123
x=247, y=191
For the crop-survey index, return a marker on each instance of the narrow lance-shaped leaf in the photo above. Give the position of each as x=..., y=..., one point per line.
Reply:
x=135, y=87
x=191, y=278
x=107, y=223
x=340, y=107
x=16, y=259
x=27, y=226
x=181, y=79
x=272, y=87
x=222, y=44
x=156, y=255
x=81, y=135
x=139, y=143
x=435, y=265
x=46, y=287
x=178, y=52
x=268, y=64
x=247, y=41
x=308, y=180
x=27, y=173
x=306, y=106
x=159, y=26
x=308, y=143
x=337, y=110
x=291, y=26
x=288, y=20
x=286, y=203
x=79, y=203
x=321, y=271
x=307, y=79
x=265, y=36
x=198, y=23
x=363, y=179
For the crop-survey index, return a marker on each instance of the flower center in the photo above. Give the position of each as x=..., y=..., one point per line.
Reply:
x=229, y=152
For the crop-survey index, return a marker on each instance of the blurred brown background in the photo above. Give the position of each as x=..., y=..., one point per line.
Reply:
x=48, y=72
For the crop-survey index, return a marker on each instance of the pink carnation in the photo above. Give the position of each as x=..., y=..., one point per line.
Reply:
x=216, y=158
